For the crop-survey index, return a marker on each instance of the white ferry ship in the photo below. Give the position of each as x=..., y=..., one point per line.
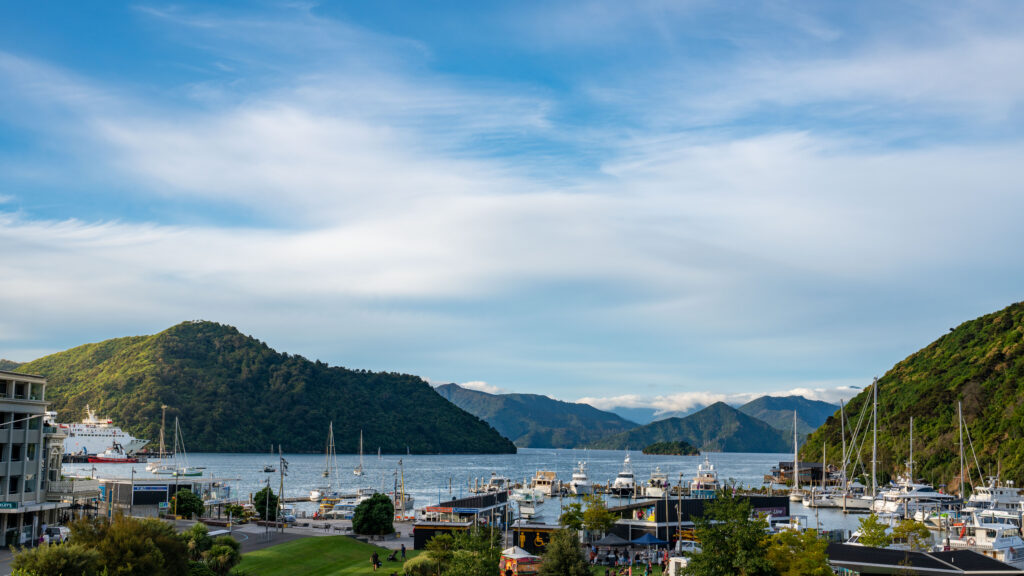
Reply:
x=94, y=435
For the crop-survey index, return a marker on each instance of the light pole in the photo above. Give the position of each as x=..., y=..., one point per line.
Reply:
x=131, y=499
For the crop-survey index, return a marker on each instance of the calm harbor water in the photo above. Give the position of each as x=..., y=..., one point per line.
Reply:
x=437, y=478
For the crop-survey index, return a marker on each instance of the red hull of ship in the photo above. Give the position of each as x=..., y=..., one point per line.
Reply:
x=102, y=460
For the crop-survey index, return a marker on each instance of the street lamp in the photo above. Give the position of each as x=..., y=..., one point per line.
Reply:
x=131, y=497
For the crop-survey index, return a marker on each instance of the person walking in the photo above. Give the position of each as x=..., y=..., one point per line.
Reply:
x=375, y=559
x=403, y=551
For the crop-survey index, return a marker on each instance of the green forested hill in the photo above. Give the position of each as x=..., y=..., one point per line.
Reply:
x=979, y=363
x=717, y=428
x=535, y=421
x=778, y=411
x=9, y=364
x=234, y=393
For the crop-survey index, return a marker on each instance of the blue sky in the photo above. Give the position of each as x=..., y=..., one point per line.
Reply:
x=638, y=204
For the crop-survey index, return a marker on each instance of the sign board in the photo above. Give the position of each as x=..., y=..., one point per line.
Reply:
x=441, y=509
x=8, y=505
x=150, y=488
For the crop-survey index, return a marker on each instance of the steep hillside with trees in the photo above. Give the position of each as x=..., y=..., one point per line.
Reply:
x=979, y=364
x=234, y=393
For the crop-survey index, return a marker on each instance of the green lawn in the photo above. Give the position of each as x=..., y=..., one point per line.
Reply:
x=334, y=555
x=319, y=556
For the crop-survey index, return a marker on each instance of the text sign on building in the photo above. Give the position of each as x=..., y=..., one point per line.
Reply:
x=150, y=488
x=8, y=505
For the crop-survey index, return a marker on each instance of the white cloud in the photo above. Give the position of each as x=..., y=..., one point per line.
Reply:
x=481, y=386
x=686, y=401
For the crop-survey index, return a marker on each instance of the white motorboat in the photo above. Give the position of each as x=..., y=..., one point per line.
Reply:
x=657, y=485
x=546, y=483
x=907, y=498
x=526, y=495
x=494, y=484
x=705, y=483
x=580, y=484
x=999, y=541
x=995, y=495
x=625, y=483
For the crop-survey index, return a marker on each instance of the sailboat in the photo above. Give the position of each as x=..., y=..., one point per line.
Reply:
x=158, y=466
x=796, y=495
x=330, y=470
x=179, y=447
x=269, y=468
x=359, y=469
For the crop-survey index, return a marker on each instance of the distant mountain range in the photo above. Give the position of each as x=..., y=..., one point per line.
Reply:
x=778, y=411
x=536, y=421
x=9, y=364
x=234, y=393
x=717, y=428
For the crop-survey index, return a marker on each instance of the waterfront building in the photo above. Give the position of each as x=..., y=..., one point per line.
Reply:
x=671, y=519
x=28, y=499
x=459, y=515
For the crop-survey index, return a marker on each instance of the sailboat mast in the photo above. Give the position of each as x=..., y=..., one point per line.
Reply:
x=874, y=439
x=910, y=464
x=960, y=425
x=796, y=458
x=163, y=424
x=842, y=433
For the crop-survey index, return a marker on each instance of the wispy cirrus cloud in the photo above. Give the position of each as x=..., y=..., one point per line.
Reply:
x=327, y=185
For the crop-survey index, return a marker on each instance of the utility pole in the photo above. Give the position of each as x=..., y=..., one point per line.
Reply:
x=280, y=490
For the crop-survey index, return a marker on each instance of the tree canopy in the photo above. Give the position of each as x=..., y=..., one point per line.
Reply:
x=564, y=556
x=187, y=504
x=375, y=516
x=265, y=503
x=731, y=541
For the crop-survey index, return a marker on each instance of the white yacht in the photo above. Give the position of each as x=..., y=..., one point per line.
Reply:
x=546, y=483
x=906, y=498
x=657, y=485
x=705, y=483
x=995, y=495
x=625, y=483
x=94, y=435
x=580, y=484
x=495, y=484
x=999, y=541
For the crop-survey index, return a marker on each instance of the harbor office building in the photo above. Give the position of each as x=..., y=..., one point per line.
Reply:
x=672, y=519
x=459, y=516
x=29, y=476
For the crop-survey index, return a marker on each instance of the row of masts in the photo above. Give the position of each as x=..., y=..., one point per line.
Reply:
x=849, y=453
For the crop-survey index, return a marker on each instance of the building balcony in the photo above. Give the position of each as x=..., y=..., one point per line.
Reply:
x=71, y=489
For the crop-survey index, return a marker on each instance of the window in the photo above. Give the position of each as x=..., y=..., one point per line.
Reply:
x=19, y=421
x=5, y=387
x=15, y=452
x=34, y=423
x=30, y=483
x=20, y=391
x=14, y=485
x=31, y=455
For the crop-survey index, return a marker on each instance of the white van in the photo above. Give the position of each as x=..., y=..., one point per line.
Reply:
x=56, y=534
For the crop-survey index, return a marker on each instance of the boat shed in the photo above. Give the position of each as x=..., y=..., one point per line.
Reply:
x=852, y=559
x=148, y=496
x=458, y=515
x=670, y=519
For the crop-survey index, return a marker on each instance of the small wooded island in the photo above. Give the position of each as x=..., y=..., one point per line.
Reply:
x=672, y=448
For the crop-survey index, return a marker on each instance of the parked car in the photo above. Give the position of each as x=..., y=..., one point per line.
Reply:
x=56, y=534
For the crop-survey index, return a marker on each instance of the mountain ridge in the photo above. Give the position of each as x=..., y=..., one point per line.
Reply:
x=535, y=420
x=717, y=428
x=234, y=393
